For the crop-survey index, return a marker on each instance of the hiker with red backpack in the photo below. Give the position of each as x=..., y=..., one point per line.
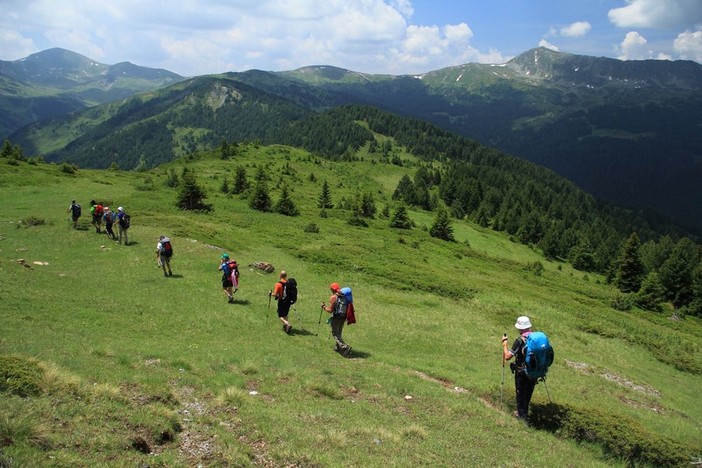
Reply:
x=341, y=310
x=164, y=252
x=534, y=355
x=285, y=292
x=96, y=211
x=230, y=275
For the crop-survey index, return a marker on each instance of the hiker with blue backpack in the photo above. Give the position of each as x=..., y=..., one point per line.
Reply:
x=533, y=355
x=229, y=269
x=75, y=211
x=341, y=310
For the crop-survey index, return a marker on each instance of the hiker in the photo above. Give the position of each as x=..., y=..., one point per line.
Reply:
x=164, y=252
x=337, y=309
x=283, y=304
x=226, y=269
x=96, y=211
x=75, y=211
x=109, y=217
x=524, y=386
x=123, y=223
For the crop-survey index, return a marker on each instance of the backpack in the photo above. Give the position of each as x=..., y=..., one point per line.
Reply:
x=232, y=269
x=76, y=210
x=166, y=247
x=126, y=221
x=98, y=210
x=344, y=300
x=289, y=291
x=538, y=355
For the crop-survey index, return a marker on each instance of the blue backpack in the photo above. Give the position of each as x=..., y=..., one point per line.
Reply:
x=538, y=355
x=343, y=299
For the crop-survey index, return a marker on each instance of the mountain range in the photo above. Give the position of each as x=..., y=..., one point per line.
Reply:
x=625, y=131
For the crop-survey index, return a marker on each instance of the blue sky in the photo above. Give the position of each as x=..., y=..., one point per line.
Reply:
x=196, y=37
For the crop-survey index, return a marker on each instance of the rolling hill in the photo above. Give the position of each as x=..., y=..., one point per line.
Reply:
x=626, y=132
x=103, y=361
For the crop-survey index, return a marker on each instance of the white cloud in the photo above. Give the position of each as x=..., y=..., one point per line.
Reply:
x=548, y=45
x=660, y=14
x=196, y=37
x=688, y=45
x=633, y=47
x=17, y=45
x=578, y=29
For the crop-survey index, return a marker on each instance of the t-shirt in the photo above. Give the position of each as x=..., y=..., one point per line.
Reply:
x=518, y=350
x=278, y=290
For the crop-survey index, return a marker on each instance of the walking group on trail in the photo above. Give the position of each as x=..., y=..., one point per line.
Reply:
x=531, y=350
x=100, y=214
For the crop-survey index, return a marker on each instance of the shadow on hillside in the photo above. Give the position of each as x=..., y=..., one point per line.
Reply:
x=354, y=354
x=177, y=276
x=301, y=331
x=241, y=302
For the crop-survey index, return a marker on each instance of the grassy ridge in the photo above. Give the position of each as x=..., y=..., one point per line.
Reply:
x=143, y=363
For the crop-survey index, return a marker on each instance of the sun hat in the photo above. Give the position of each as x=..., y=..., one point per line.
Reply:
x=120, y=209
x=523, y=323
x=334, y=287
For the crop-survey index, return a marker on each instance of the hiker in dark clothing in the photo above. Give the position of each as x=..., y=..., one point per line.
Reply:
x=283, y=306
x=524, y=386
x=75, y=211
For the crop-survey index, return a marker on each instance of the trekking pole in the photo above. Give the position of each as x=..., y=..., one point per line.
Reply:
x=543, y=379
x=319, y=322
x=502, y=385
x=299, y=319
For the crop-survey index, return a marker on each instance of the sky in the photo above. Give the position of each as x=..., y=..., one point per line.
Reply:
x=199, y=37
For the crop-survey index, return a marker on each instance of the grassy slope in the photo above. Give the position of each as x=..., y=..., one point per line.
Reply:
x=133, y=356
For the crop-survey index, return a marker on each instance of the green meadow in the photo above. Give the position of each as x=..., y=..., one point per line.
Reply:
x=105, y=362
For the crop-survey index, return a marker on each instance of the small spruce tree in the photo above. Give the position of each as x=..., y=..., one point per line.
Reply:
x=285, y=205
x=400, y=219
x=441, y=229
x=325, y=200
x=630, y=268
x=240, y=181
x=191, y=196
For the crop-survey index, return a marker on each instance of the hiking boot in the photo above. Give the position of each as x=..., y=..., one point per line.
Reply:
x=165, y=275
x=346, y=351
x=289, y=329
x=170, y=273
x=231, y=300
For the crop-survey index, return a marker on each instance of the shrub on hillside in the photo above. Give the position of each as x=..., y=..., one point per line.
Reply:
x=621, y=437
x=20, y=376
x=622, y=301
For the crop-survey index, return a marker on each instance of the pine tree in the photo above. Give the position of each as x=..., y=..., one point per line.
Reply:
x=261, y=199
x=285, y=205
x=400, y=219
x=368, y=205
x=325, y=199
x=676, y=273
x=651, y=293
x=240, y=181
x=441, y=229
x=630, y=268
x=191, y=195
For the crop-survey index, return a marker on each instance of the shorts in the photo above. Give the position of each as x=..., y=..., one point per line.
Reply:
x=227, y=283
x=283, y=309
x=165, y=260
x=97, y=219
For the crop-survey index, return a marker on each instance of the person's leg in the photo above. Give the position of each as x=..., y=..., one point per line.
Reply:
x=168, y=263
x=283, y=311
x=121, y=232
x=337, y=326
x=524, y=388
x=163, y=264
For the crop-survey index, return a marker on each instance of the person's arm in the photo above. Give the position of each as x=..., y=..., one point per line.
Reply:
x=278, y=291
x=332, y=301
x=506, y=353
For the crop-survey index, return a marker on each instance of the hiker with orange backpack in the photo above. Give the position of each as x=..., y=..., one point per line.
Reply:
x=339, y=304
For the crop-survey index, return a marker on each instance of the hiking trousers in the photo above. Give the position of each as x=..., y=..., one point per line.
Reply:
x=524, y=387
x=337, y=327
x=123, y=231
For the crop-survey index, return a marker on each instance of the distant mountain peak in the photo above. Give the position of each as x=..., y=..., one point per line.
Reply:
x=581, y=70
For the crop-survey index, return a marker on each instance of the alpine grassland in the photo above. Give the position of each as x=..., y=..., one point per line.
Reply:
x=106, y=362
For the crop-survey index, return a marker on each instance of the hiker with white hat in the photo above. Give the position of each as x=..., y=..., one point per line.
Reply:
x=524, y=386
